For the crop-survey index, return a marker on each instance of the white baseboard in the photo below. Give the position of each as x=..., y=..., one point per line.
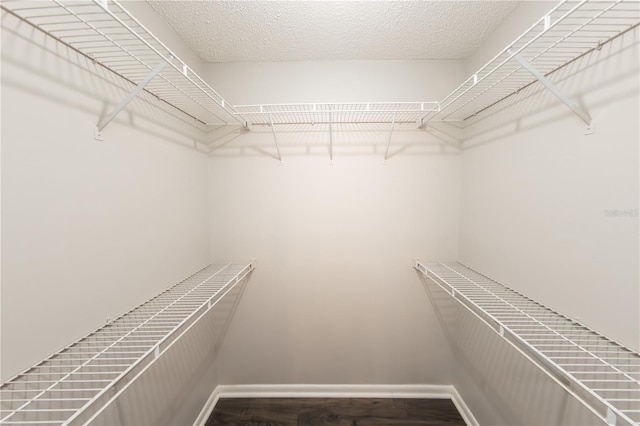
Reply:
x=336, y=391
x=463, y=408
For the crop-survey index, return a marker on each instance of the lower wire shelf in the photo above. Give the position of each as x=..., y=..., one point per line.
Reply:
x=601, y=373
x=72, y=385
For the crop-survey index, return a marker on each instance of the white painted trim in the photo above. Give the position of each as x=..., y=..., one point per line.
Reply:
x=208, y=408
x=463, y=408
x=336, y=391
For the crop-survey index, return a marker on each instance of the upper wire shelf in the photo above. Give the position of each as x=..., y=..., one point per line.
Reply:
x=601, y=373
x=336, y=113
x=105, y=32
x=72, y=386
x=570, y=30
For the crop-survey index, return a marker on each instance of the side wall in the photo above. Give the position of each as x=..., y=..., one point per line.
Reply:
x=334, y=299
x=554, y=213
x=89, y=229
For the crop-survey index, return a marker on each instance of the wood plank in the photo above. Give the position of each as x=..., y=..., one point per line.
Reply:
x=335, y=412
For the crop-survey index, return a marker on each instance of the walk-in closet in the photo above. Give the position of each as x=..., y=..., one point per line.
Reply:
x=383, y=212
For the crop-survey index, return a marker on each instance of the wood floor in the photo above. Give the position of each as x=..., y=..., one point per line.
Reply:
x=334, y=412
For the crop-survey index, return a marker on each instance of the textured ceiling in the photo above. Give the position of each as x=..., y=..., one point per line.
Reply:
x=268, y=31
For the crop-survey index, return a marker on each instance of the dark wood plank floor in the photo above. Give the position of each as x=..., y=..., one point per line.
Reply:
x=334, y=412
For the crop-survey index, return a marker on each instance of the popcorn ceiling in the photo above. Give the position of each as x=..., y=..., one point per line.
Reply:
x=272, y=31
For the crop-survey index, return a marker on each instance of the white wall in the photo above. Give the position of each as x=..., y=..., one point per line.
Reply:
x=335, y=81
x=537, y=193
x=334, y=298
x=537, y=197
x=89, y=229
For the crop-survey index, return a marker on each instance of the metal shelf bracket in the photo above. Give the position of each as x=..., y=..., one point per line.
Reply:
x=275, y=138
x=580, y=112
x=393, y=123
x=107, y=119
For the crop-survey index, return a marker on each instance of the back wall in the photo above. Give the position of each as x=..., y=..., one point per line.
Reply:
x=334, y=298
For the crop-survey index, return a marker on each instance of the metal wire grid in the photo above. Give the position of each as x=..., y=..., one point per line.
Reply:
x=602, y=372
x=336, y=113
x=75, y=382
x=569, y=31
x=105, y=32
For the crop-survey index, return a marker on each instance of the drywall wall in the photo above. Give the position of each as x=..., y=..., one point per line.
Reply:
x=552, y=211
x=335, y=81
x=334, y=298
x=89, y=229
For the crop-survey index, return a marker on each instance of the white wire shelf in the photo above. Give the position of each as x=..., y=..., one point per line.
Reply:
x=73, y=384
x=572, y=29
x=105, y=32
x=601, y=373
x=336, y=113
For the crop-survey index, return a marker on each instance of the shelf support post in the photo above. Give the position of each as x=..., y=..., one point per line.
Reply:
x=393, y=123
x=106, y=120
x=275, y=138
x=581, y=113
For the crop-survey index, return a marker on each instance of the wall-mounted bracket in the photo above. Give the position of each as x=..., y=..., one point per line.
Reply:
x=393, y=123
x=611, y=417
x=275, y=138
x=547, y=22
x=106, y=120
x=581, y=113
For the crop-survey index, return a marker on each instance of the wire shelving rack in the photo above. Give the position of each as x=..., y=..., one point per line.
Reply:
x=569, y=31
x=601, y=373
x=74, y=384
x=336, y=113
x=106, y=33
